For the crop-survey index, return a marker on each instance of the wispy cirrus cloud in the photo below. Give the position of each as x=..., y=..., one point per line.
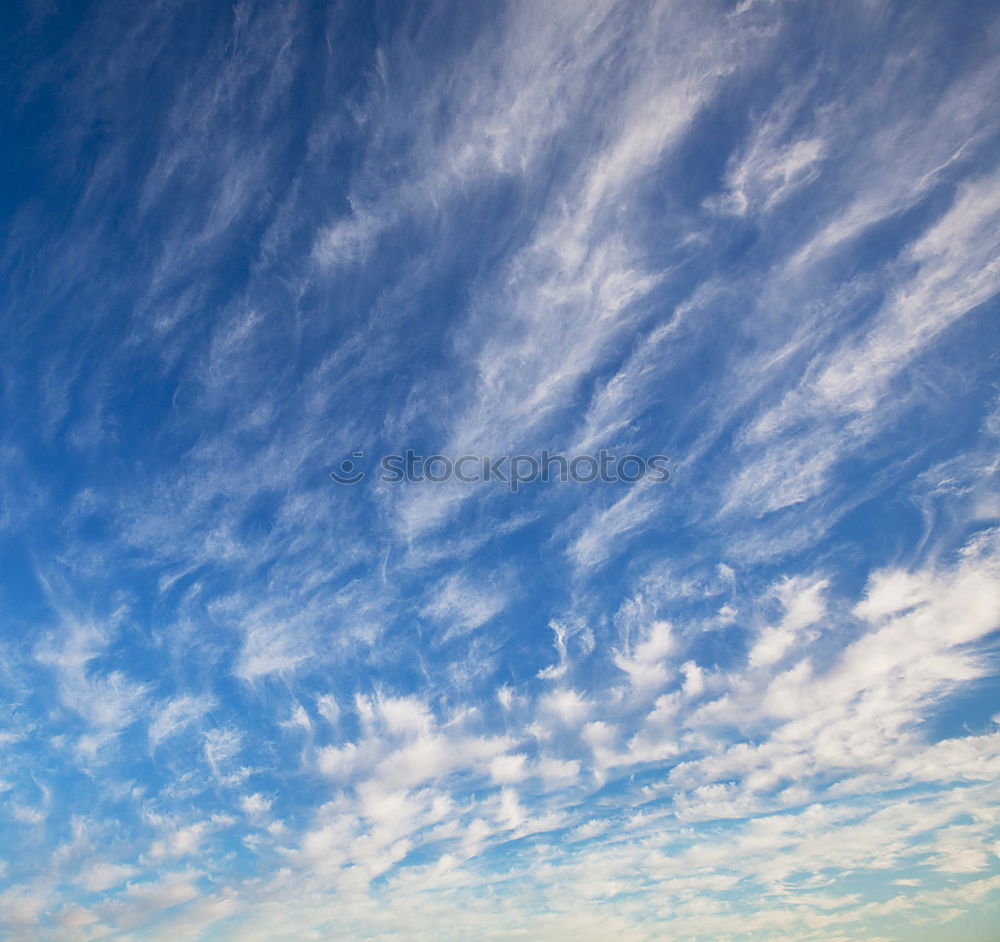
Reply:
x=241, y=701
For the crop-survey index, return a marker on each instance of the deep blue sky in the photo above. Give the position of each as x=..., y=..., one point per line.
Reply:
x=243, y=241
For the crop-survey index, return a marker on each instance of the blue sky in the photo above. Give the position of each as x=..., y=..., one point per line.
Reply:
x=246, y=240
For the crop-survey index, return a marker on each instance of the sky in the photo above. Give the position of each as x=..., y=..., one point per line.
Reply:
x=245, y=243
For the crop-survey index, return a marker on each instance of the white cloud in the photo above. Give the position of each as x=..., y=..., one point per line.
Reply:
x=176, y=715
x=462, y=605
